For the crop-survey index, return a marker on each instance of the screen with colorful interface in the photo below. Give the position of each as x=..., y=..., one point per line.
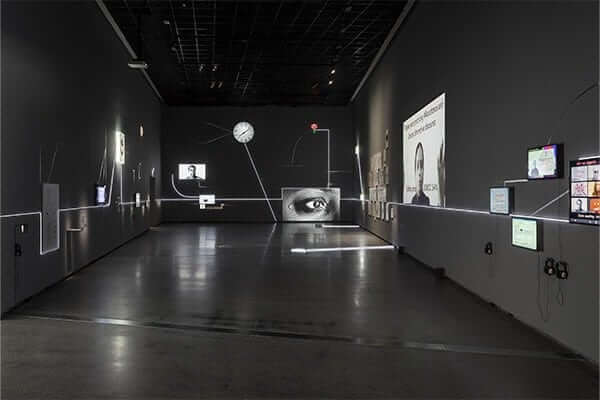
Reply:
x=526, y=233
x=584, y=186
x=544, y=162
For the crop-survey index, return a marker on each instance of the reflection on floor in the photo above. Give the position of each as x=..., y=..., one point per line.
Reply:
x=227, y=311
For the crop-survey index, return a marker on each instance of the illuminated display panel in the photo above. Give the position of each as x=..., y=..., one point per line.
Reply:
x=544, y=162
x=192, y=171
x=527, y=233
x=584, y=187
x=501, y=200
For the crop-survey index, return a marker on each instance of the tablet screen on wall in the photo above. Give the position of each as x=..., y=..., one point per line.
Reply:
x=544, y=162
x=501, y=200
x=527, y=233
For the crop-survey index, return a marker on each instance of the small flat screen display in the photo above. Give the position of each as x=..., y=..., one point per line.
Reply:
x=500, y=200
x=100, y=194
x=192, y=172
x=544, y=162
x=584, y=186
x=526, y=233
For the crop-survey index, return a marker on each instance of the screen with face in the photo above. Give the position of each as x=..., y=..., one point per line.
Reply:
x=310, y=204
x=585, y=191
x=423, y=136
x=192, y=171
x=525, y=233
x=543, y=162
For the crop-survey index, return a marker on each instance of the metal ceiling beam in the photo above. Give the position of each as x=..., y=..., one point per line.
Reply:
x=384, y=47
x=130, y=50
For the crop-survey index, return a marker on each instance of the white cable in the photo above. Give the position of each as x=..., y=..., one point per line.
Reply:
x=185, y=196
x=260, y=182
x=551, y=202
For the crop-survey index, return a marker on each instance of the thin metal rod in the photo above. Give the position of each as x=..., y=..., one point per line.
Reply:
x=260, y=182
x=560, y=196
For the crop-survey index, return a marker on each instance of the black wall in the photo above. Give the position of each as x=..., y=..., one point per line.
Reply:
x=65, y=83
x=509, y=71
x=229, y=172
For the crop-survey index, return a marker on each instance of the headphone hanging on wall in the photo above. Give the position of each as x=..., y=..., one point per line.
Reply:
x=549, y=267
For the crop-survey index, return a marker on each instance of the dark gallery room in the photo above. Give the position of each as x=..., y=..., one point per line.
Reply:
x=308, y=199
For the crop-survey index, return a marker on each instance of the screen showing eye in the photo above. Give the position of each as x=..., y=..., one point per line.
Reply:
x=311, y=204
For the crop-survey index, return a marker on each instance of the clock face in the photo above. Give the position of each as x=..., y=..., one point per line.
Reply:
x=243, y=132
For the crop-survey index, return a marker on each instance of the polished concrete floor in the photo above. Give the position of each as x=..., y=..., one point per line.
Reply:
x=204, y=311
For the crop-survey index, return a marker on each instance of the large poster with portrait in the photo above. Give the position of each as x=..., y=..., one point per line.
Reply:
x=423, y=138
x=310, y=204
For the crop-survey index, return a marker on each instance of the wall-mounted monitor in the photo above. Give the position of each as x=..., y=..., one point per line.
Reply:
x=191, y=171
x=100, y=194
x=501, y=200
x=310, y=204
x=584, y=187
x=527, y=233
x=544, y=162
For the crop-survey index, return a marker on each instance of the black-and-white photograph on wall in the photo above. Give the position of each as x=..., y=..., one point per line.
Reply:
x=310, y=204
x=423, y=137
x=192, y=171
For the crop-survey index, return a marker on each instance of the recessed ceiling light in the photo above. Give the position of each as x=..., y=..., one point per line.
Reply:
x=183, y=5
x=332, y=71
x=331, y=82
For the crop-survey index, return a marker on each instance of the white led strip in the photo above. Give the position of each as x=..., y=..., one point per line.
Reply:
x=330, y=249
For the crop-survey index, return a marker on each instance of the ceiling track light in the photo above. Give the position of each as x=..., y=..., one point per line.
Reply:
x=201, y=68
x=215, y=66
x=212, y=85
x=220, y=84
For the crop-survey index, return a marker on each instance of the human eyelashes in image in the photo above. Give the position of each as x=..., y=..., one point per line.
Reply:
x=312, y=204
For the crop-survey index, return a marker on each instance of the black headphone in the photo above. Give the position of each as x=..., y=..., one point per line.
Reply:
x=549, y=268
x=561, y=270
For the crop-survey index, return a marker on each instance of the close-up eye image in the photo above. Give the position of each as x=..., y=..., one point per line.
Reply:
x=310, y=204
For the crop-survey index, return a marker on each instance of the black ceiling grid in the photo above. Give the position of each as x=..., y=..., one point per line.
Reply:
x=226, y=52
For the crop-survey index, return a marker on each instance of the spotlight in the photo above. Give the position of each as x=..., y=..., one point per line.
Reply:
x=166, y=22
x=215, y=66
x=141, y=131
x=212, y=84
x=332, y=71
x=201, y=67
x=330, y=82
x=356, y=150
x=220, y=84
x=137, y=64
